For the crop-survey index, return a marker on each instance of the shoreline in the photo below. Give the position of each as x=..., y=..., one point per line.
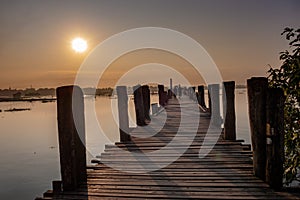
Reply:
x=30, y=100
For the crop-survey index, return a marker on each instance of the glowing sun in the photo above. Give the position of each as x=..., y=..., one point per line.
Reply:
x=79, y=45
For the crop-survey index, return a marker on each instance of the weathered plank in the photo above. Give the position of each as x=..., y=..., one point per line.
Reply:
x=225, y=173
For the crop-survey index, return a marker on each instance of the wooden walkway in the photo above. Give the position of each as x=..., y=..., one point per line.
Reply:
x=225, y=173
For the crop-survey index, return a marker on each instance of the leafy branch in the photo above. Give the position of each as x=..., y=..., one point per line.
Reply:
x=287, y=77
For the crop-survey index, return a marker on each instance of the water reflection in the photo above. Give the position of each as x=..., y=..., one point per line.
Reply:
x=29, y=145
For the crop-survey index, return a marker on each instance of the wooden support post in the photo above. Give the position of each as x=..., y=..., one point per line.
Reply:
x=161, y=95
x=175, y=91
x=57, y=187
x=198, y=98
x=201, y=99
x=154, y=108
x=209, y=99
x=146, y=102
x=193, y=93
x=171, y=85
x=189, y=92
x=179, y=91
x=229, y=111
x=70, y=109
x=215, y=104
x=275, y=137
x=139, y=105
x=169, y=94
x=257, y=94
x=123, y=113
x=165, y=97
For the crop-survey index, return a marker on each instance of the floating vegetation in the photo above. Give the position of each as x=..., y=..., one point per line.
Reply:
x=48, y=100
x=16, y=109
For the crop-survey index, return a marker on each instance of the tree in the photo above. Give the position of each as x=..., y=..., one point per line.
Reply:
x=287, y=77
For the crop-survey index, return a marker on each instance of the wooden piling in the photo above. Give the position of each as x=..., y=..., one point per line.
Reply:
x=170, y=94
x=139, y=105
x=275, y=137
x=171, y=85
x=70, y=109
x=57, y=187
x=154, y=108
x=165, y=98
x=161, y=95
x=123, y=113
x=193, y=90
x=209, y=99
x=229, y=110
x=175, y=91
x=179, y=91
x=201, y=98
x=215, y=104
x=198, y=98
x=257, y=94
x=223, y=174
x=146, y=102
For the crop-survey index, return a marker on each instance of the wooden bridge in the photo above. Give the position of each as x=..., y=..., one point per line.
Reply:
x=226, y=172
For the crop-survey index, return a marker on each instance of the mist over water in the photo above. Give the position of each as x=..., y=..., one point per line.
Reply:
x=29, y=144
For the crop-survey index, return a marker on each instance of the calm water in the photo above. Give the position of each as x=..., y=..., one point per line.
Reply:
x=29, y=145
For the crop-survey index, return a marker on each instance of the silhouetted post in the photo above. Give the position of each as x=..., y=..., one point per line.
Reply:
x=138, y=104
x=70, y=109
x=165, y=97
x=275, y=137
x=215, y=104
x=229, y=111
x=209, y=99
x=198, y=98
x=201, y=99
x=169, y=94
x=257, y=94
x=193, y=90
x=146, y=102
x=171, y=85
x=154, y=108
x=179, y=91
x=161, y=95
x=175, y=91
x=57, y=187
x=123, y=113
x=190, y=92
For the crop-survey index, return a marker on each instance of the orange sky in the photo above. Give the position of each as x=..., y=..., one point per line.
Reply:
x=242, y=37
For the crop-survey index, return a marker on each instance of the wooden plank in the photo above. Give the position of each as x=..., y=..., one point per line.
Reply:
x=225, y=173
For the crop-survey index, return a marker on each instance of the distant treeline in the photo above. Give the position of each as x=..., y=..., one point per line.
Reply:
x=32, y=92
x=110, y=91
x=98, y=92
x=28, y=92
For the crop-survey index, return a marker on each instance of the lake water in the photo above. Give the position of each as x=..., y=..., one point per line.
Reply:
x=29, y=144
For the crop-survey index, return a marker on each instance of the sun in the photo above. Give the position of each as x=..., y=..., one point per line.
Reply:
x=79, y=45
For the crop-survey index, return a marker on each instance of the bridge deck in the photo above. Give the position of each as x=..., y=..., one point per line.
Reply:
x=224, y=173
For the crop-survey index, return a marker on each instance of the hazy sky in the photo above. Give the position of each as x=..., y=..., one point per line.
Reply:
x=241, y=36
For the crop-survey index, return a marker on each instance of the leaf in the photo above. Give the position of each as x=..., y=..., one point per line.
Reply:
x=287, y=77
